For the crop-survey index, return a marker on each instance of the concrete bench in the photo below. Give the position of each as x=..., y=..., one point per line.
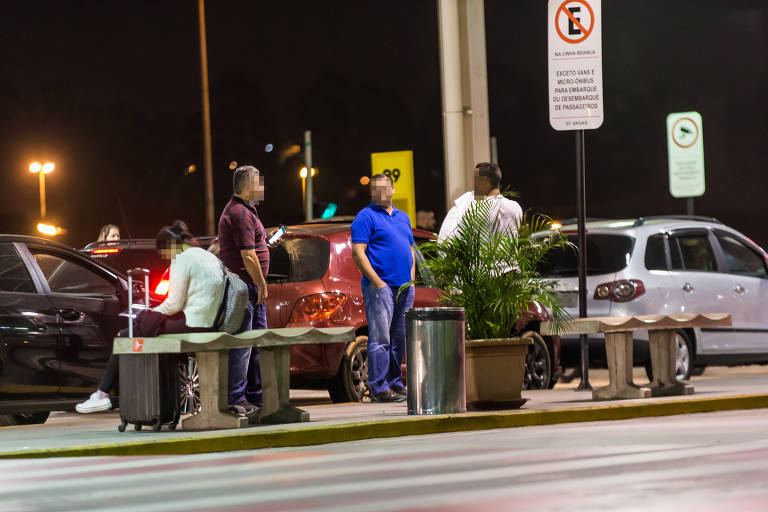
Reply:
x=212, y=352
x=619, y=337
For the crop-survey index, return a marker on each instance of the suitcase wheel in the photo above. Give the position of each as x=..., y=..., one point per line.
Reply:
x=172, y=426
x=137, y=427
x=121, y=426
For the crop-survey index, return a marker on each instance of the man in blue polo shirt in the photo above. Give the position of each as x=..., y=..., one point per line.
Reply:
x=382, y=247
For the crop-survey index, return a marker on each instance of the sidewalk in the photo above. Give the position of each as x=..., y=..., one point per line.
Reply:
x=70, y=434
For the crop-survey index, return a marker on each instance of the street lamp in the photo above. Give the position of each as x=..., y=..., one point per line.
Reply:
x=303, y=176
x=42, y=170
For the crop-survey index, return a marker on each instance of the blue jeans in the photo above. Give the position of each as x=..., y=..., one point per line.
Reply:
x=244, y=372
x=386, y=335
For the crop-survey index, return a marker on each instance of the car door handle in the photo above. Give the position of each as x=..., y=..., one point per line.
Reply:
x=688, y=287
x=739, y=289
x=70, y=315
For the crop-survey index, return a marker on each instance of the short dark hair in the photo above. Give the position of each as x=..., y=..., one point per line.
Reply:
x=382, y=176
x=178, y=232
x=491, y=171
x=241, y=176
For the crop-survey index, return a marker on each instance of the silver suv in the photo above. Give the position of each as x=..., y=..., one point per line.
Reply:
x=662, y=265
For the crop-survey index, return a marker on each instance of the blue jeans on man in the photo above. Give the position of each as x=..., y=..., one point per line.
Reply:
x=385, y=312
x=244, y=371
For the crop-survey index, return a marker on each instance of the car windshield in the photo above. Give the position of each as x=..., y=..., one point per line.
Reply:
x=298, y=259
x=606, y=254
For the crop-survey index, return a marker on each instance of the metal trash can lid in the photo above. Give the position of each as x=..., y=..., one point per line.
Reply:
x=447, y=313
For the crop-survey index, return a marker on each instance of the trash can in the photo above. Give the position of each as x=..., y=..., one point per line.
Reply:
x=435, y=360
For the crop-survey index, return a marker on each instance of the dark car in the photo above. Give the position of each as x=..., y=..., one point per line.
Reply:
x=59, y=312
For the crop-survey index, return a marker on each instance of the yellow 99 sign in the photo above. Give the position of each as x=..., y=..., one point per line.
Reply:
x=398, y=165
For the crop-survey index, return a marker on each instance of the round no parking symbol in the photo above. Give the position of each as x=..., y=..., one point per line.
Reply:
x=574, y=21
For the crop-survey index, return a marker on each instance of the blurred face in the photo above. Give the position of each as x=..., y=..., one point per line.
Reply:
x=171, y=252
x=382, y=192
x=254, y=189
x=114, y=234
x=482, y=184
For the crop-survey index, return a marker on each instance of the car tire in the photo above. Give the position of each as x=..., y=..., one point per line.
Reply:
x=32, y=418
x=189, y=385
x=351, y=382
x=698, y=370
x=684, y=361
x=538, y=365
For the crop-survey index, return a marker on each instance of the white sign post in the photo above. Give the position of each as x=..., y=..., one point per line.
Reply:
x=685, y=147
x=575, y=58
x=575, y=64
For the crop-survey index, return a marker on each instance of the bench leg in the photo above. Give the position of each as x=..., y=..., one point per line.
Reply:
x=213, y=368
x=276, y=381
x=618, y=351
x=663, y=362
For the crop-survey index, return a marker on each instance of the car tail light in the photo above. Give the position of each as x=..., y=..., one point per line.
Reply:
x=318, y=306
x=162, y=287
x=620, y=291
x=111, y=250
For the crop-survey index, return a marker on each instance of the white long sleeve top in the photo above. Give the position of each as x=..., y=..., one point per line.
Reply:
x=505, y=215
x=196, y=286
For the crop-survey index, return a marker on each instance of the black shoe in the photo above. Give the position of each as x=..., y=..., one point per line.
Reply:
x=237, y=410
x=388, y=396
x=401, y=390
x=247, y=406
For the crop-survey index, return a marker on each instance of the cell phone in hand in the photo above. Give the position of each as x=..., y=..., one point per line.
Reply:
x=277, y=235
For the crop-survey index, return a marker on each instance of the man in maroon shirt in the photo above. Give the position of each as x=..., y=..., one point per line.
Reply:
x=243, y=249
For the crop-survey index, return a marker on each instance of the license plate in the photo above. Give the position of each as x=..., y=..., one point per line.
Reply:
x=569, y=299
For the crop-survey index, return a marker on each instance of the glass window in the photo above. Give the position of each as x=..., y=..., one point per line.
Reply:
x=14, y=276
x=696, y=252
x=739, y=258
x=606, y=254
x=299, y=259
x=655, y=253
x=65, y=276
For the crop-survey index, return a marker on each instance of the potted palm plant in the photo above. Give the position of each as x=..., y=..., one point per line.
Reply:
x=493, y=276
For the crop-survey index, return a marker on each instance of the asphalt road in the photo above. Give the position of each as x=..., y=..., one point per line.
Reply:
x=703, y=462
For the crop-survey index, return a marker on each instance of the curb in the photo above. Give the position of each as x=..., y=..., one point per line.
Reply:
x=406, y=426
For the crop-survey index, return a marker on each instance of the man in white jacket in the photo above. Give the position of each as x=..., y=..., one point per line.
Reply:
x=505, y=214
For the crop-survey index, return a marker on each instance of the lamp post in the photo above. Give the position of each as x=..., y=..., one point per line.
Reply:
x=42, y=170
x=303, y=176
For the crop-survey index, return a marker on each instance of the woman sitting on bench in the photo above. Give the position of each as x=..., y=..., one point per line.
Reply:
x=196, y=289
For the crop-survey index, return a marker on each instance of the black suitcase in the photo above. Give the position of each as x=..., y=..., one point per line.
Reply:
x=149, y=390
x=149, y=383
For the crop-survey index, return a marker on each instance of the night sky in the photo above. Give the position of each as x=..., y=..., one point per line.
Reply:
x=110, y=92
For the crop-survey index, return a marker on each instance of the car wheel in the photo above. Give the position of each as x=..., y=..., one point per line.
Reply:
x=31, y=418
x=684, y=360
x=351, y=383
x=698, y=370
x=538, y=365
x=189, y=385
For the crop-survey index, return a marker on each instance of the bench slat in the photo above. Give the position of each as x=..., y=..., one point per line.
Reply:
x=211, y=341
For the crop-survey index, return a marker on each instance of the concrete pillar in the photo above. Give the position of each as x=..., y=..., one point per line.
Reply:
x=466, y=132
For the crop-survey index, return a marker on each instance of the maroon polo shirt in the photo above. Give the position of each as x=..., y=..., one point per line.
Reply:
x=240, y=229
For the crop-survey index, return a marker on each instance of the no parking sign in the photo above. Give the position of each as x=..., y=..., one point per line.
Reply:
x=575, y=64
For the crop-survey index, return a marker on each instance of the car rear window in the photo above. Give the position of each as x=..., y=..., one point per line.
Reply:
x=606, y=254
x=299, y=259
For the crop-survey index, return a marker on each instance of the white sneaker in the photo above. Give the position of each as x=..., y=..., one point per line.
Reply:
x=99, y=401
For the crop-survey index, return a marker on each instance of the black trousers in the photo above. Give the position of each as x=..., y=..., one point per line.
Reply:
x=147, y=324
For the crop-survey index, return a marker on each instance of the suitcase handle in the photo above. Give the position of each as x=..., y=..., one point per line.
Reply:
x=131, y=307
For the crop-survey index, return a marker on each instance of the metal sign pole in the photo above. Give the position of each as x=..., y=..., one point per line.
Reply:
x=581, y=202
x=308, y=163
